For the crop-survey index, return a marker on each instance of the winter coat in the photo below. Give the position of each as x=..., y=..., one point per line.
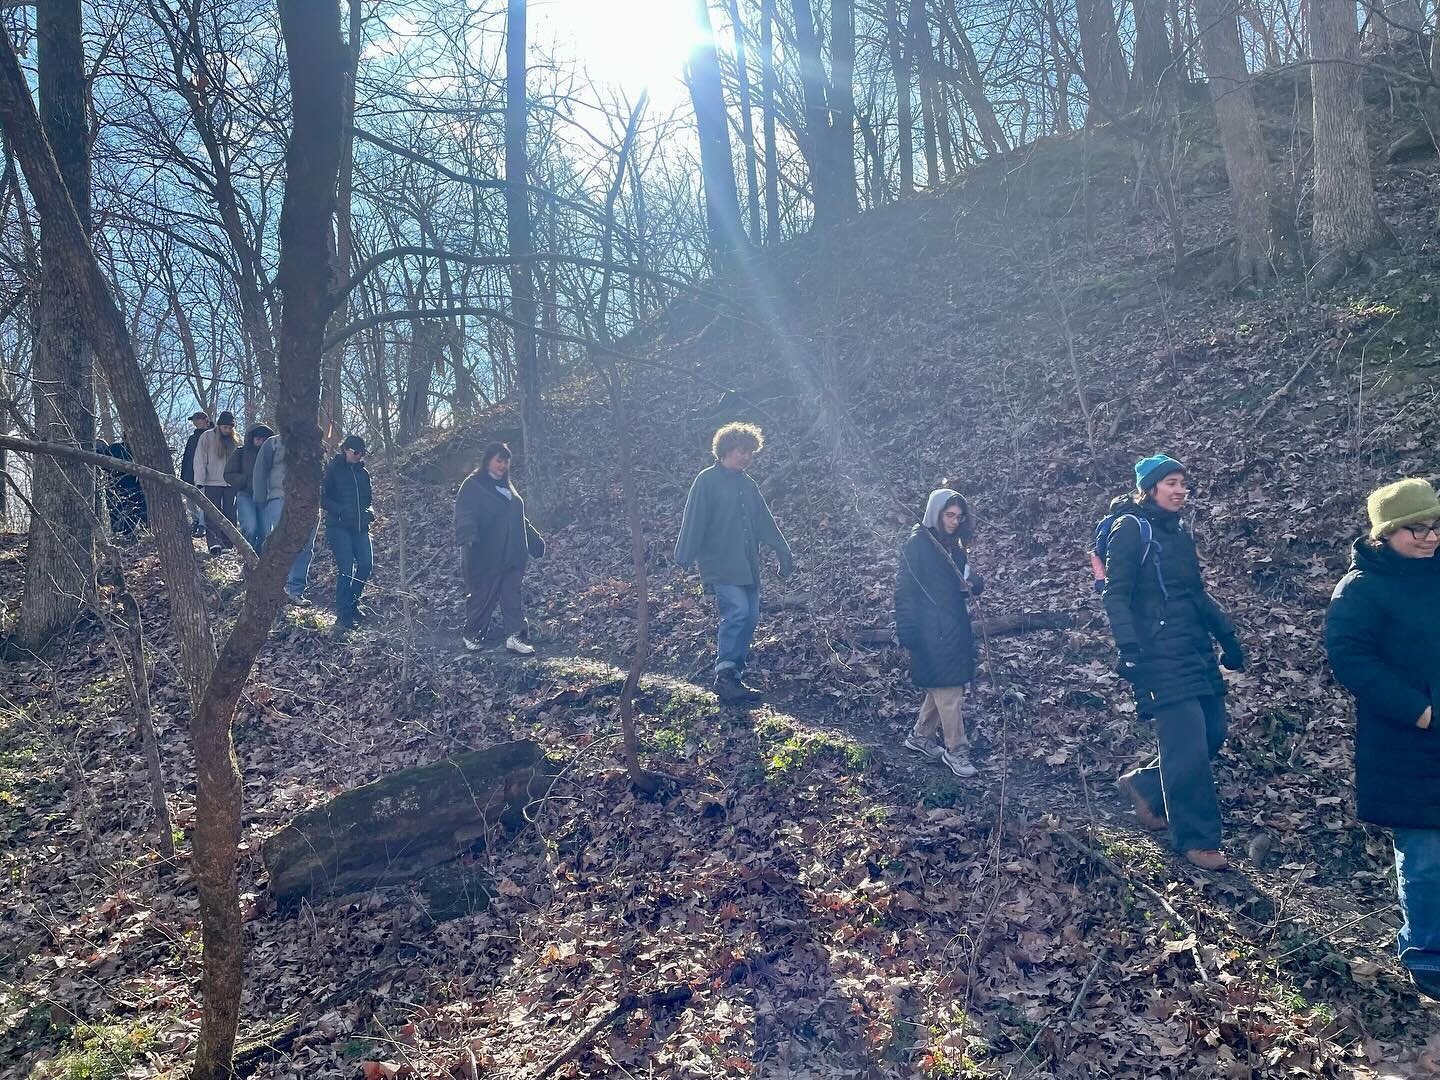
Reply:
x=724, y=524
x=267, y=482
x=933, y=586
x=1170, y=630
x=212, y=454
x=187, y=456
x=492, y=530
x=128, y=508
x=1383, y=639
x=240, y=469
x=345, y=495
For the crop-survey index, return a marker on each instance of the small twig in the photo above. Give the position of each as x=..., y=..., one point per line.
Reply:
x=1284, y=391
x=1149, y=890
x=1080, y=996
x=628, y=1003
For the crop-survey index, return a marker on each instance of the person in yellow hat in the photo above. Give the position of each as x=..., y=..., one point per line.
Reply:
x=1382, y=635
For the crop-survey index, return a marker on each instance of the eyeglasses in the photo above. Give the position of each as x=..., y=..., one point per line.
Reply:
x=1420, y=532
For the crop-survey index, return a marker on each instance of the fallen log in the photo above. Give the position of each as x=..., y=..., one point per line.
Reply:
x=403, y=824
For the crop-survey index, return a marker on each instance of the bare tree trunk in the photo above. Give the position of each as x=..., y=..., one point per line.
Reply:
x=842, y=105
x=816, y=140
x=1347, y=221
x=522, y=242
x=717, y=165
x=331, y=404
x=60, y=556
x=1153, y=80
x=1264, y=235
x=902, y=63
x=747, y=122
x=767, y=119
x=426, y=341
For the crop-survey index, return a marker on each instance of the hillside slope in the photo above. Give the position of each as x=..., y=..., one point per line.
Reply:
x=832, y=907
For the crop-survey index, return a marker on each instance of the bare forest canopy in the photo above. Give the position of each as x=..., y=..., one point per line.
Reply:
x=1009, y=244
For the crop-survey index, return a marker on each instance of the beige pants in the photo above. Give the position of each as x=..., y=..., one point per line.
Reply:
x=941, y=711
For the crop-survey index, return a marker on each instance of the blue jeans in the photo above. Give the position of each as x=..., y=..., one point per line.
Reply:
x=739, y=612
x=300, y=568
x=247, y=517
x=1417, y=873
x=354, y=559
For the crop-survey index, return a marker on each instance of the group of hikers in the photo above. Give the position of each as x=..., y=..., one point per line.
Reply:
x=1382, y=636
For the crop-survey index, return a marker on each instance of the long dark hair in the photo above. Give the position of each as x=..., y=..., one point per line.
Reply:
x=490, y=453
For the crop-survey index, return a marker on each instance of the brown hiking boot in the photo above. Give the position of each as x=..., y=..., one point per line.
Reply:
x=1144, y=812
x=1208, y=859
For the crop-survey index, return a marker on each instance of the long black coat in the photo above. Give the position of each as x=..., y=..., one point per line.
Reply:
x=1172, y=633
x=932, y=610
x=1382, y=635
x=493, y=532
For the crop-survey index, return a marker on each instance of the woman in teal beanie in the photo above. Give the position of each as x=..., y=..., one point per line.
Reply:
x=1164, y=621
x=1383, y=639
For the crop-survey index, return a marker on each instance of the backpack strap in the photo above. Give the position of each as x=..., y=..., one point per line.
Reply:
x=1147, y=543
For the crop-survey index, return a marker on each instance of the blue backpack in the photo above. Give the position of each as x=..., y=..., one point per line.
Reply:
x=1101, y=543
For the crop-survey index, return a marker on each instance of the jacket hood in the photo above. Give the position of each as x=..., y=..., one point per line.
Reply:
x=1381, y=558
x=258, y=429
x=1124, y=504
x=935, y=505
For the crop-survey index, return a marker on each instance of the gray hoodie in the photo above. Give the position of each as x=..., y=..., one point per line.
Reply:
x=268, y=481
x=934, y=507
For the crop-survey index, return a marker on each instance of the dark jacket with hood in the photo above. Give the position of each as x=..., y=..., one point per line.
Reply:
x=491, y=528
x=724, y=524
x=933, y=586
x=187, y=456
x=240, y=469
x=1170, y=631
x=345, y=495
x=1382, y=635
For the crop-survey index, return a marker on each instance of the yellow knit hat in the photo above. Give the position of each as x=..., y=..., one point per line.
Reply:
x=1399, y=504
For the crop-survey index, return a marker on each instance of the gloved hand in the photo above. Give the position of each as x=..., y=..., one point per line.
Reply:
x=976, y=582
x=1128, y=665
x=369, y=517
x=787, y=565
x=1232, y=655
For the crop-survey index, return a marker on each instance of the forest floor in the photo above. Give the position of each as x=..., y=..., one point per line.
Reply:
x=821, y=902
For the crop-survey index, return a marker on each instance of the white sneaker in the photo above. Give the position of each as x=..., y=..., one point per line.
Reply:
x=515, y=645
x=473, y=644
x=959, y=764
x=933, y=751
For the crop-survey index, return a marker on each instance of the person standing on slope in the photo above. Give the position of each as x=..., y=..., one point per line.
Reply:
x=1383, y=640
x=933, y=587
x=268, y=486
x=240, y=475
x=212, y=454
x=724, y=524
x=496, y=540
x=201, y=422
x=345, y=498
x=1163, y=621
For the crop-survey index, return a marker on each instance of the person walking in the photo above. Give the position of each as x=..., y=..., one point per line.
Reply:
x=1163, y=621
x=933, y=587
x=239, y=474
x=212, y=454
x=1383, y=641
x=345, y=498
x=724, y=524
x=129, y=512
x=268, y=489
x=200, y=421
x=496, y=540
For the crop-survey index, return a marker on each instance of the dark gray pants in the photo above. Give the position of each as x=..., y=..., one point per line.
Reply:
x=1190, y=733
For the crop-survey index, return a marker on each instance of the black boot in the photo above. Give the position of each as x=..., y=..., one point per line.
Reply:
x=729, y=688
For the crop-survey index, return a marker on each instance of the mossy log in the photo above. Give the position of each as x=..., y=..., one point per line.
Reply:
x=403, y=824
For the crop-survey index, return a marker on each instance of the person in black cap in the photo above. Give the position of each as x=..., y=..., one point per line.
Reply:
x=345, y=498
x=201, y=421
x=212, y=454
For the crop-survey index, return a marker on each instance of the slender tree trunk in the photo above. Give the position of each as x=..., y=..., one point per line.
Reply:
x=971, y=84
x=332, y=414
x=1104, y=63
x=747, y=122
x=1153, y=80
x=901, y=67
x=815, y=138
x=717, y=165
x=922, y=52
x=767, y=120
x=60, y=558
x=1264, y=237
x=842, y=105
x=521, y=241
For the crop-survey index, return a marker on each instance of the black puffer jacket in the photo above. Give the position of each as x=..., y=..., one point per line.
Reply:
x=240, y=469
x=932, y=610
x=345, y=495
x=1383, y=639
x=1171, y=630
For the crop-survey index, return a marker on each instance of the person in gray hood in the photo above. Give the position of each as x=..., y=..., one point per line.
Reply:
x=933, y=587
x=268, y=485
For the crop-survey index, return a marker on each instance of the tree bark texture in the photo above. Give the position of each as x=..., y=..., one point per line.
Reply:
x=61, y=552
x=747, y=123
x=902, y=62
x=1154, y=77
x=1104, y=74
x=519, y=235
x=842, y=106
x=1264, y=238
x=1346, y=219
x=767, y=120
x=717, y=165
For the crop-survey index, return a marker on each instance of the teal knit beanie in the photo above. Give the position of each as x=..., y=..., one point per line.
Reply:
x=1151, y=470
